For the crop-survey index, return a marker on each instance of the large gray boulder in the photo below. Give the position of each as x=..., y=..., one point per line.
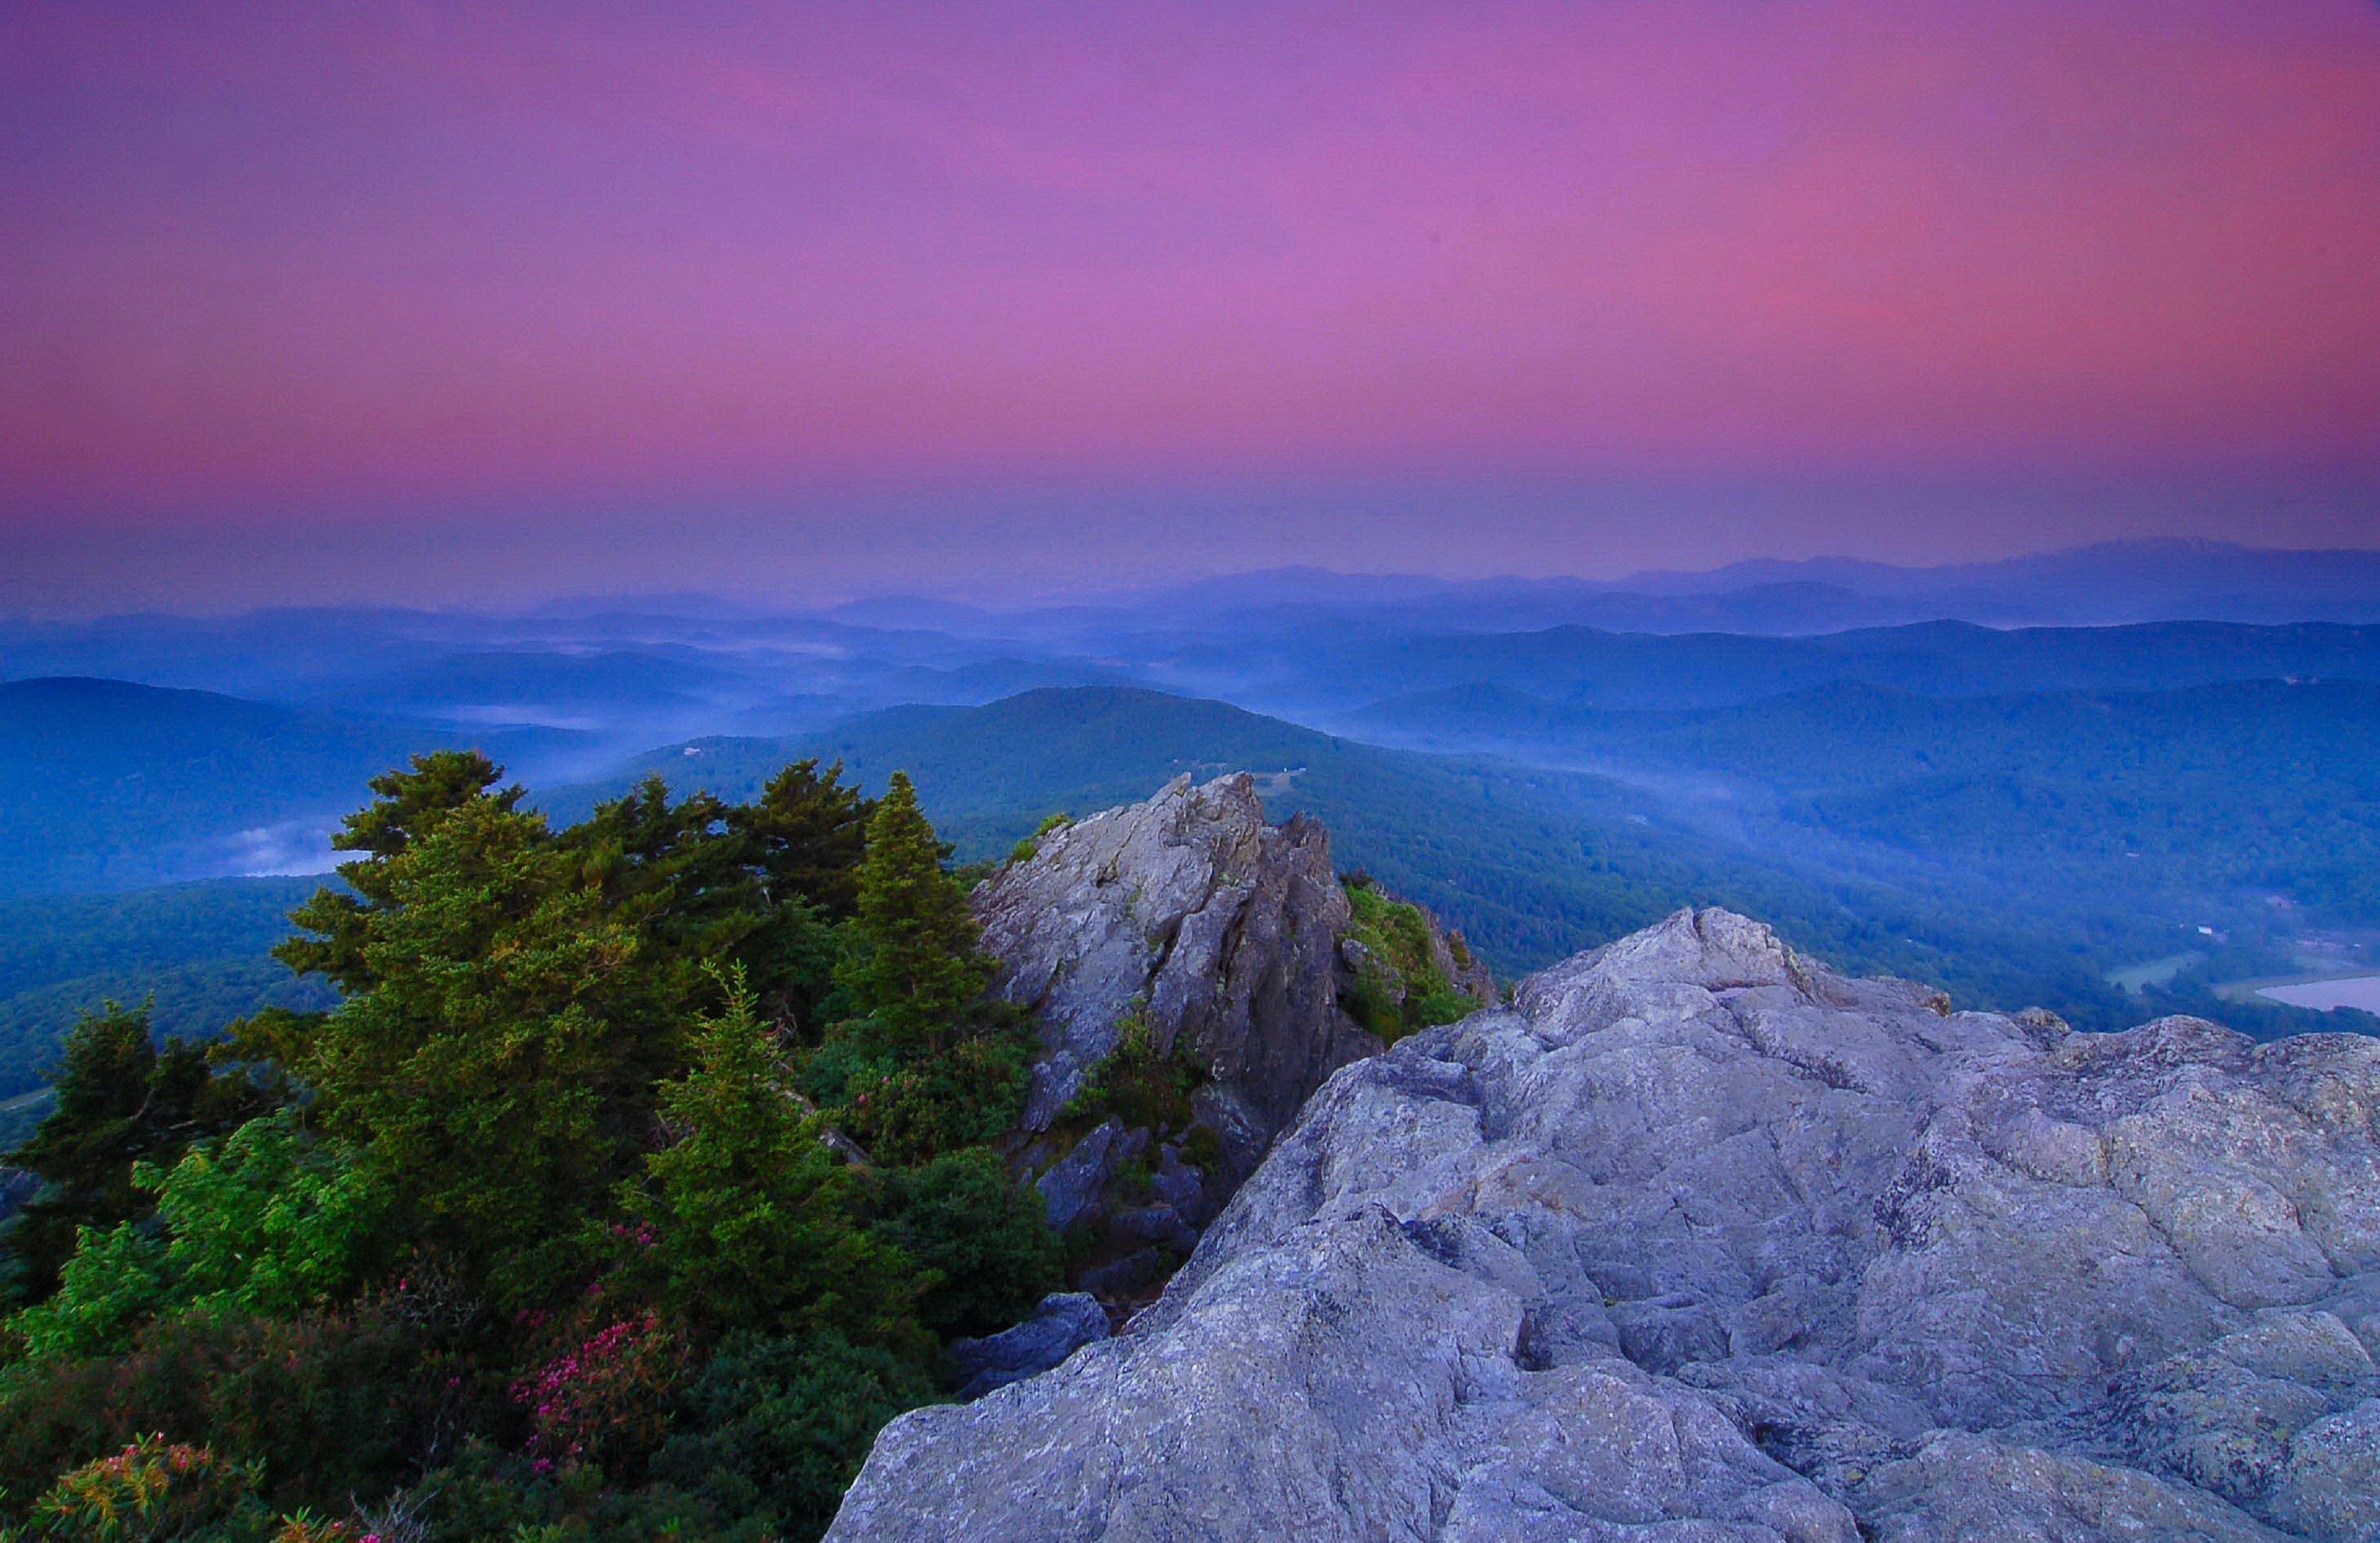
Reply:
x=1219, y=931
x=1698, y=1240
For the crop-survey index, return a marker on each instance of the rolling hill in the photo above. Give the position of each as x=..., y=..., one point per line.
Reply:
x=202, y=950
x=106, y=784
x=2209, y=797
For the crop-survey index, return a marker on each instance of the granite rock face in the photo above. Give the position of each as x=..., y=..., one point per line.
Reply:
x=1698, y=1240
x=1217, y=929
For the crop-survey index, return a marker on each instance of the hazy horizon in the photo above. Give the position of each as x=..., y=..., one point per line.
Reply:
x=1024, y=552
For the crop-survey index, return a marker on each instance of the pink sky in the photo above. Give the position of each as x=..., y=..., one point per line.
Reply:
x=320, y=269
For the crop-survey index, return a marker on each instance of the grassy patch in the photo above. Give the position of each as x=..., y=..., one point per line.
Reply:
x=1402, y=989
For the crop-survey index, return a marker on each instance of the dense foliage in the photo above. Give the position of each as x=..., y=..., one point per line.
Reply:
x=635, y=1179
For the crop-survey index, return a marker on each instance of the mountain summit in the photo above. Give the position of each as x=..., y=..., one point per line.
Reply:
x=1698, y=1238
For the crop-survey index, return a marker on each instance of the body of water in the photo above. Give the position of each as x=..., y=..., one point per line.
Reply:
x=2361, y=990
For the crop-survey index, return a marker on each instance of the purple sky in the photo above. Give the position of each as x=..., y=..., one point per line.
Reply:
x=422, y=302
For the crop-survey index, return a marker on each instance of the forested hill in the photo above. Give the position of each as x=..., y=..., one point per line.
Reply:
x=2195, y=797
x=108, y=784
x=201, y=954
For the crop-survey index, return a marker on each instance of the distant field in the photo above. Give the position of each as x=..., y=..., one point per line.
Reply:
x=2134, y=979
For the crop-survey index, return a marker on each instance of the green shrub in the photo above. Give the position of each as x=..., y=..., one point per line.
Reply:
x=1135, y=1084
x=969, y=1095
x=984, y=1240
x=489, y=1496
x=270, y=1221
x=151, y=1491
x=1023, y=850
x=780, y=1425
x=328, y=1403
x=115, y=1282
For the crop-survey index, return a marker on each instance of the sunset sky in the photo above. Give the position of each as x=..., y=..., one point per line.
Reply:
x=433, y=303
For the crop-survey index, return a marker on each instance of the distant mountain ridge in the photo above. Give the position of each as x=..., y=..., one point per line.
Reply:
x=2104, y=583
x=2115, y=577
x=1525, y=861
x=1594, y=667
x=2016, y=842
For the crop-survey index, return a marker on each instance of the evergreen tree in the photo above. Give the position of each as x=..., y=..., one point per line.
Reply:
x=520, y=1144
x=984, y=1240
x=121, y=1101
x=914, y=967
x=500, y=1066
x=702, y=880
x=811, y=831
x=678, y=871
x=752, y=1221
x=411, y=804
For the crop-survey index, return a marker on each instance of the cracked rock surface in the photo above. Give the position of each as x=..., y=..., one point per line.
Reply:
x=1698, y=1240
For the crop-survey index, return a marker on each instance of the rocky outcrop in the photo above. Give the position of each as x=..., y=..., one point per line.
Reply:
x=1217, y=932
x=1190, y=970
x=1697, y=1239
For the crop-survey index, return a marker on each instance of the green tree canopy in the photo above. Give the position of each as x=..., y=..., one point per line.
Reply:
x=412, y=805
x=810, y=831
x=539, y=1217
x=914, y=967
